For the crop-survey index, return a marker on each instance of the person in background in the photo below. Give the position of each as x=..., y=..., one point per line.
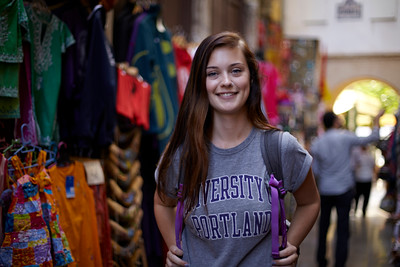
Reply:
x=216, y=150
x=332, y=167
x=364, y=173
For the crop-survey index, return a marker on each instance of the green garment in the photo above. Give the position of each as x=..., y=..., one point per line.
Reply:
x=9, y=103
x=13, y=25
x=13, y=28
x=49, y=39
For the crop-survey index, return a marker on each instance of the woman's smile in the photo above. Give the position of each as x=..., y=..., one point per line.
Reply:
x=228, y=80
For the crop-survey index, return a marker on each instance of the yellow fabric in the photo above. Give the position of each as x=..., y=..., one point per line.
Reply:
x=77, y=215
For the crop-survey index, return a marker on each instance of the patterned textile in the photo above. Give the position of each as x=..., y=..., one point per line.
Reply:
x=50, y=38
x=13, y=27
x=33, y=235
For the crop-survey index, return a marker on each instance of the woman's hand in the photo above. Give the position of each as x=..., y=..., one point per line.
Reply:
x=288, y=256
x=174, y=257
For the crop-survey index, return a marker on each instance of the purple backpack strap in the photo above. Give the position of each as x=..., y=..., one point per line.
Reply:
x=179, y=218
x=278, y=217
x=270, y=149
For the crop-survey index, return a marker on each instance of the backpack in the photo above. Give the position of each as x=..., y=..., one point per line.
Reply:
x=271, y=153
x=270, y=147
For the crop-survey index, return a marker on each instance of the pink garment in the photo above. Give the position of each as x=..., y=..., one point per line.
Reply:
x=25, y=98
x=269, y=85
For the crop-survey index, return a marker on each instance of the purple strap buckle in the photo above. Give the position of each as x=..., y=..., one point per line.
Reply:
x=179, y=218
x=278, y=217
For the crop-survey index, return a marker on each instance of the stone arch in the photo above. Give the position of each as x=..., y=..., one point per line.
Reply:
x=342, y=71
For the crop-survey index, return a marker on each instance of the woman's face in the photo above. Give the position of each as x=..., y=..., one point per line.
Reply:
x=227, y=80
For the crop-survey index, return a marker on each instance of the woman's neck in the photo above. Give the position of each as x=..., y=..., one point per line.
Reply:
x=230, y=131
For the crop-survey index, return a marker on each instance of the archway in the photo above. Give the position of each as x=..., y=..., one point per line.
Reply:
x=359, y=101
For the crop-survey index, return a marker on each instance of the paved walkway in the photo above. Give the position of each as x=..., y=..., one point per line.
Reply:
x=370, y=241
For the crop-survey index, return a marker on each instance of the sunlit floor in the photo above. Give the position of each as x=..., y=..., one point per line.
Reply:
x=370, y=240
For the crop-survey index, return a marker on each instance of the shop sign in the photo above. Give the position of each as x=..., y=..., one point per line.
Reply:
x=349, y=9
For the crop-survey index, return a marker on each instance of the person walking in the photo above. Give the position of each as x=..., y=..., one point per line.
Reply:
x=216, y=149
x=333, y=171
x=364, y=173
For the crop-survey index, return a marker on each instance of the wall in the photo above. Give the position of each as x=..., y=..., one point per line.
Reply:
x=343, y=70
x=363, y=47
x=376, y=32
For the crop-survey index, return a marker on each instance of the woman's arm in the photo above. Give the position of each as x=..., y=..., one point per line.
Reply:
x=164, y=212
x=307, y=210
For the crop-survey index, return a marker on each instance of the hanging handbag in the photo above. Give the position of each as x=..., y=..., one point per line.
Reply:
x=388, y=203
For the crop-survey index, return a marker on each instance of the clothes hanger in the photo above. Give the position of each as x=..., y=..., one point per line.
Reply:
x=25, y=146
x=22, y=151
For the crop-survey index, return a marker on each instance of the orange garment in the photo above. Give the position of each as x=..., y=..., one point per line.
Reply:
x=77, y=215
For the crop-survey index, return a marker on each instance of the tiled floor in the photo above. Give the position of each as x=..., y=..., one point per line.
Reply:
x=370, y=241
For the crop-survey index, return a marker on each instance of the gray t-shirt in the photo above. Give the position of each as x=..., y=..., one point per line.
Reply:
x=235, y=228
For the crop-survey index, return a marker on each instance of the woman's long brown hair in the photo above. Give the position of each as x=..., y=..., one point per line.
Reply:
x=194, y=120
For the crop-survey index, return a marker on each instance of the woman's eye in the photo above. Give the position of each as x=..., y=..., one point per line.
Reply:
x=236, y=71
x=212, y=74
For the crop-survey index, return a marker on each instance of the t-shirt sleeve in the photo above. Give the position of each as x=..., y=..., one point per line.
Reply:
x=172, y=177
x=296, y=162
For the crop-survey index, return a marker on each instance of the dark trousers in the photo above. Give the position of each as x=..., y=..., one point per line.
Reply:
x=342, y=203
x=362, y=189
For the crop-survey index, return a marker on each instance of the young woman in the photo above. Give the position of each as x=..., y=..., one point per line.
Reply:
x=215, y=152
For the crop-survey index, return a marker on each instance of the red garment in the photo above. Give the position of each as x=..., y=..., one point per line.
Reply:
x=103, y=225
x=183, y=62
x=133, y=99
x=3, y=186
x=269, y=84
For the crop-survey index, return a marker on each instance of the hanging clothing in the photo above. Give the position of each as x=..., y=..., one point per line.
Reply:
x=183, y=65
x=77, y=215
x=13, y=28
x=270, y=81
x=133, y=99
x=103, y=224
x=27, y=116
x=123, y=24
x=33, y=234
x=154, y=57
x=3, y=186
x=74, y=15
x=97, y=115
x=50, y=38
x=133, y=36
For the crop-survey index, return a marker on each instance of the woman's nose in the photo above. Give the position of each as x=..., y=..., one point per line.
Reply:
x=226, y=81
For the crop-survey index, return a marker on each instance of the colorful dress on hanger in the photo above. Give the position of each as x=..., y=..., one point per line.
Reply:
x=50, y=38
x=13, y=27
x=33, y=234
